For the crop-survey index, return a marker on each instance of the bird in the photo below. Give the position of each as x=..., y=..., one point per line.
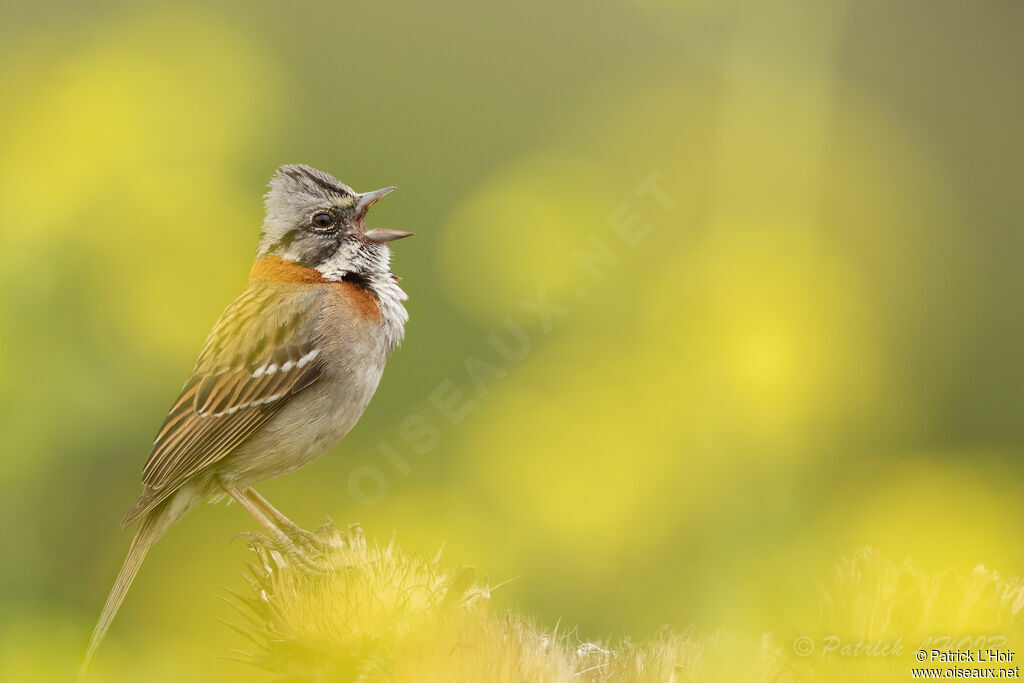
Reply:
x=286, y=372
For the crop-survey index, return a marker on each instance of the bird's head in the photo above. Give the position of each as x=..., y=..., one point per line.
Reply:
x=317, y=221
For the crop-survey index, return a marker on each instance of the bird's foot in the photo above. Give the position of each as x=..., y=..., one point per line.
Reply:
x=310, y=564
x=253, y=538
x=304, y=556
x=303, y=552
x=300, y=536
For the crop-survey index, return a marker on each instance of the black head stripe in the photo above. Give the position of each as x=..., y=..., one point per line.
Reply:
x=302, y=175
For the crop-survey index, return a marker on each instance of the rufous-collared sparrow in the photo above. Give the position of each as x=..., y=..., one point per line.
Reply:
x=286, y=372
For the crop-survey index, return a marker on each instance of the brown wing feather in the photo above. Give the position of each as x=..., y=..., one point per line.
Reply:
x=261, y=352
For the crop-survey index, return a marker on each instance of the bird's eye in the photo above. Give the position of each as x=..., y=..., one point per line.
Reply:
x=323, y=220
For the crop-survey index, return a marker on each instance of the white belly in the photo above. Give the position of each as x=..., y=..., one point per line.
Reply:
x=307, y=427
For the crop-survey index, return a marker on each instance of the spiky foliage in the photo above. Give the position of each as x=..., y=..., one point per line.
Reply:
x=878, y=613
x=382, y=614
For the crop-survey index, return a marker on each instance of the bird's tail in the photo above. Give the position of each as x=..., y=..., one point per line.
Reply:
x=151, y=528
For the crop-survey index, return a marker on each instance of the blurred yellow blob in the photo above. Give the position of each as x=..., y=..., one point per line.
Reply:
x=518, y=230
x=144, y=120
x=941, y=512
x=152, y=96
x=681, y=406
x=770, y=325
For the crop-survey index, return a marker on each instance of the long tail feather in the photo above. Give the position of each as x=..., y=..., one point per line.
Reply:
x=151, y=528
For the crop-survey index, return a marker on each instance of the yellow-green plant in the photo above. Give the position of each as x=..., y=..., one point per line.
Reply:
x=381, y=614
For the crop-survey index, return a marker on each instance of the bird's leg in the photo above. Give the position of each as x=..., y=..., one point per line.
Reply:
x=280, y=540
x=286, y=525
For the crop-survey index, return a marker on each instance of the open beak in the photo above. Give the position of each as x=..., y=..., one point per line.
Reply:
x=367, y=199
x=363, y=204
x=385, y=235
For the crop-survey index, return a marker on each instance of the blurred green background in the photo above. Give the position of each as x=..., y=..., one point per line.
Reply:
x=809, y=341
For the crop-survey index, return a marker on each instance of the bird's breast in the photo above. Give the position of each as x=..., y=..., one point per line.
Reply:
x=360, y=301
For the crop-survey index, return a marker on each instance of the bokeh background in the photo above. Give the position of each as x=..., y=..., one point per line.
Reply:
x=783, y=244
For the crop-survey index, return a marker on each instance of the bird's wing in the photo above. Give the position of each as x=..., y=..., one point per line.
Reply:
x=261, y=352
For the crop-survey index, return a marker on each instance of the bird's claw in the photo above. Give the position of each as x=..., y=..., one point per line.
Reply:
x=307, y=557
x=298, y=535
x=253, y=538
